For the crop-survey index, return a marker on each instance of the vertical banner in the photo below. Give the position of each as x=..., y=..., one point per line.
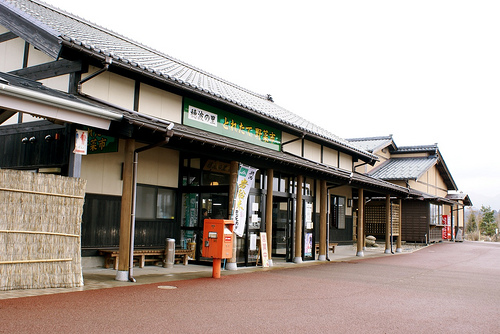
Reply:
x=245, y=181
x=446, y=231
x=81, y=140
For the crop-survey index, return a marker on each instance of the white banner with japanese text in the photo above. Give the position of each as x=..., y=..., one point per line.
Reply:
x=245, y=181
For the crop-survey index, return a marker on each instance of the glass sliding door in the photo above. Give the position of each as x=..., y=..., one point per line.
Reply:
x=282, y=240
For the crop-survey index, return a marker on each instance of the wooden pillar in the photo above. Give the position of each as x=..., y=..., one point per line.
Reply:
x=298, y=222
x=399, y=249
x=387, y=224
x=126, y=212
x=322, y=221
x=233, y=178
x=361, y=223
x=269, y=214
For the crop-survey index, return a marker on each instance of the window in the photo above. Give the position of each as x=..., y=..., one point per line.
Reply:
x=155, y=203
x=436, y=213
x=337, y=211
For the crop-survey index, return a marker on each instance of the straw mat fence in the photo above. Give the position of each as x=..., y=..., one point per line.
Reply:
x=40, y=221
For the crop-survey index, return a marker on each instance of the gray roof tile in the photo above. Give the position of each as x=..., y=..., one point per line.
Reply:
x=403, y=168
x=372, y=144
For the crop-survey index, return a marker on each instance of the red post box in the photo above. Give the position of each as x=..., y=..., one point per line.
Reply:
x=217, y=242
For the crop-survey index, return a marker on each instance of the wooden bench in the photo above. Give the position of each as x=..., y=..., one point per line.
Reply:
x=331, y=247
x=142, y=256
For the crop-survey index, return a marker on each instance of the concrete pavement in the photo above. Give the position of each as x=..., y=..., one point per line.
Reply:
x=101, y=278
x=443, y=288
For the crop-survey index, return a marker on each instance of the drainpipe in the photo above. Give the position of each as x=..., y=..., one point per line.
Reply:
x=134, y=197
x=108, y=61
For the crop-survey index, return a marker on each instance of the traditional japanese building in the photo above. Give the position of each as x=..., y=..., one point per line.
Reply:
x=165, y=141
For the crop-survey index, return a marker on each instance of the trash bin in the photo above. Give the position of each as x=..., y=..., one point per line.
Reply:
x=169, y=253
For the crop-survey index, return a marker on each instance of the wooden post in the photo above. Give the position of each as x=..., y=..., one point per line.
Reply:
x=361, y=223
x=233, y=178
x=322, y=221
x=269, y=214
x=298, y=222
x=126, y=212
x=399, y=249
x=387, y=224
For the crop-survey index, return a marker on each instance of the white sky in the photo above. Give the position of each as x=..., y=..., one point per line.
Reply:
x=425, y=71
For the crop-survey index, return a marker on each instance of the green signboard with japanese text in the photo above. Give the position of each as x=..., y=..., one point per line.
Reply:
x=101, y=143
x=211, y=119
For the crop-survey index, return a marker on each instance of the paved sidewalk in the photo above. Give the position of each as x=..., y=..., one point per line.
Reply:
x=101, y=278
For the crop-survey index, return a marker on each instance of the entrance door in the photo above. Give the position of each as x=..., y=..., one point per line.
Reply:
x=282, y=228
x=196, y=208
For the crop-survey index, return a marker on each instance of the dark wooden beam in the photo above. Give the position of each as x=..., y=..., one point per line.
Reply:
x=5, y=115
x=49, y=70
x=7, y=36
x=42, y=37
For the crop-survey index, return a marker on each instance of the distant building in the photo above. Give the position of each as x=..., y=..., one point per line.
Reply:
x=422, y=169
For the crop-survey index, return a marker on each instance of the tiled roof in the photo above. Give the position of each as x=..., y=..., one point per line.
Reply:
x=73, y=30
x=433, y=149
x=460, y=197
x=372, y=144
x=403, y=168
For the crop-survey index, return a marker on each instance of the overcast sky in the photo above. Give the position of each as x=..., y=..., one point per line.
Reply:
x=425, y=71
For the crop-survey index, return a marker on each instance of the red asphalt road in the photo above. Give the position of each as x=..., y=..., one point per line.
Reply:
x=444, y=288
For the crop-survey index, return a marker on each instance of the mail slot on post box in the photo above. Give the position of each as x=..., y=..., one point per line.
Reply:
x=218, y=238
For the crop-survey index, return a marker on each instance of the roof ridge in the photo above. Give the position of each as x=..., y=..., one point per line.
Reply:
x=137, y=43
x=370, y=138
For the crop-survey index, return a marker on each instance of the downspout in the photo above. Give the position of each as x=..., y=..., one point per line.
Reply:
x=108, y=61
x=134, y=197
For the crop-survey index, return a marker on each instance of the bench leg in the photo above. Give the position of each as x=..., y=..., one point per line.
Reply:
x=116, y=262
x=186, y=259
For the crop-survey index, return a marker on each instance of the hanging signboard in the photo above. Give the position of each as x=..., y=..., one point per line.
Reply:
x=100, y=143
x=263, y=249
x=245, y=181
x=81, y=140
x=211, y=119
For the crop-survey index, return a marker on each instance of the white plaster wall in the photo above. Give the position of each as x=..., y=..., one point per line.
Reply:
x=330, y=157
x=11, y=55
x=60, y=83
x=158, y=103
x=312, y=151
x=111, y=87
x=345, y=161
x=158, y=166
x=37, y=57
x=103, y=172
x=293, y=147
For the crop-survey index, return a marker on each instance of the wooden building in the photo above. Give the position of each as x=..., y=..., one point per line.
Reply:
x=435, y=208
x=165, y=141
